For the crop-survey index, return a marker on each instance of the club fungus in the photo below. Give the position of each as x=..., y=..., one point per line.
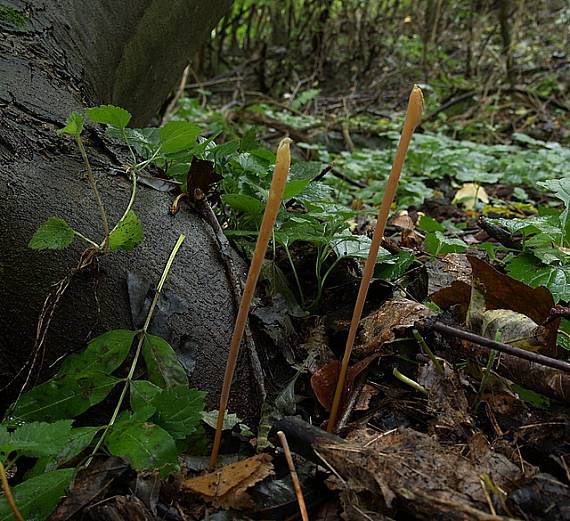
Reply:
x=271, y=210
x=412, y=120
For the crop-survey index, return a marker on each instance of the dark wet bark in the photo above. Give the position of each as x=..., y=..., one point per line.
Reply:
x=68, y=55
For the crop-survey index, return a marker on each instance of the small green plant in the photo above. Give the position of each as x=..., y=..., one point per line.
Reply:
x=161, y=414
x=55, y=233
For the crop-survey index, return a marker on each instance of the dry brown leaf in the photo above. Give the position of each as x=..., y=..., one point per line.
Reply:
x=396, y=315
x=502, y=292
x=403, y=220
x=226, y=488
x=323, y=382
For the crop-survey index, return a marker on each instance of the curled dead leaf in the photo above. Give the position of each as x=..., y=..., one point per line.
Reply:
x=226, y=488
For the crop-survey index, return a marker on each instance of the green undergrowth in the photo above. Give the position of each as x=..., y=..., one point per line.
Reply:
x=535, y=173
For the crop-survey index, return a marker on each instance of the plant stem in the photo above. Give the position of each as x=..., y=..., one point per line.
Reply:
x=93, y=183
x=295, y=276
x=413, y=116
x=420, y=339
x=131, y=201
x=87, y=239
x=408, y=381
x=141, y=338
x=8, y=494
x=278, y=182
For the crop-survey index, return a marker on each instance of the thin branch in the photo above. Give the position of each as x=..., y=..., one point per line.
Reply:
x=499, y=346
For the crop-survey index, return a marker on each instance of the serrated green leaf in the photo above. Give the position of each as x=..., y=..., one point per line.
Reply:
x=142, y=394
x=438, y=244
x=146, y=445
x=109, y=115
x=79, y=440
x=529, y=270
x=63, y=397
x=37, y=497
x=38, y=439
x=346, y=244
x=162, y=365
x=225, y=151
x=73, y=125
x=178, y=410
x=104, y=354
x=128, y=233
x=54, y=234
x=176, y=136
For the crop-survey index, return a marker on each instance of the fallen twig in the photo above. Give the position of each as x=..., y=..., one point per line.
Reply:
x=499, y=346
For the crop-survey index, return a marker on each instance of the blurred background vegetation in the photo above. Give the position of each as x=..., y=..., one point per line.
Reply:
x=488, y=67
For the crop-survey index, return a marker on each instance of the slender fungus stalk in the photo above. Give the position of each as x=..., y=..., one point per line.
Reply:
x=413, y=118
x=271, y=210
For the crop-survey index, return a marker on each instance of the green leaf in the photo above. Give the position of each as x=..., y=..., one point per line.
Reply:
x=304, y=97
x=294, y=188
x=395, y=266
x=79, y=439
x=346, y=244
x=145, y=445
x=564, y=334
x=544, y=224
x=178, y=410
x=37, y=497
x=142, y=394
x=128, y=233
x=38, y=439
x=54, y=234
x=162, y=365
x=529, y=270
x=244, y=203
x=176, y=136
x=248, y=141
x=561, y=189
x=210, y=418
x=109, y=115
x=104, y=354
x=428, y=224
x=529, y=396
x=73, y=125
x=438, y=244
x=63, y=397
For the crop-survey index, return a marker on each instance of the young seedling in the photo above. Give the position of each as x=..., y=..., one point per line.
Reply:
x=272, y=209
x=412, y=120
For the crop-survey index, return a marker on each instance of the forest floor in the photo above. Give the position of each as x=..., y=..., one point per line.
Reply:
x=439, y=423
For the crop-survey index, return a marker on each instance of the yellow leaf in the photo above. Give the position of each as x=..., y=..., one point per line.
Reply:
x=469, y=194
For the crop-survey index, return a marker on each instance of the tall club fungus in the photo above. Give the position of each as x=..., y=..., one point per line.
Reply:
x=271, y=210
x=412, y=120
